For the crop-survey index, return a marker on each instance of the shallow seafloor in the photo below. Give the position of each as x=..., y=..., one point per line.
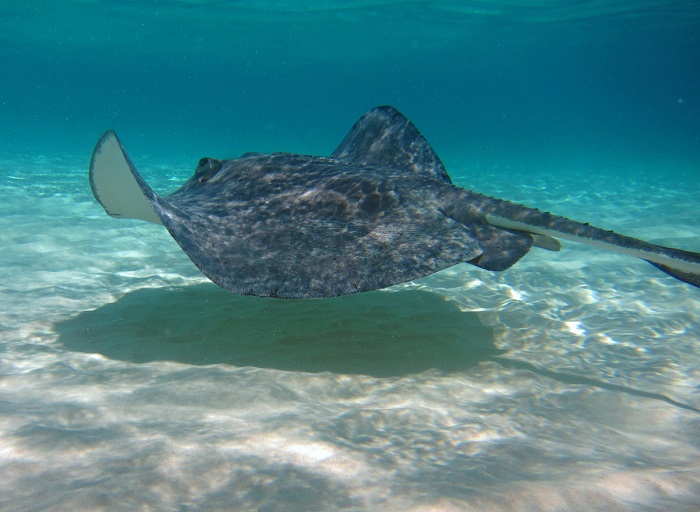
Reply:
x=129, y=382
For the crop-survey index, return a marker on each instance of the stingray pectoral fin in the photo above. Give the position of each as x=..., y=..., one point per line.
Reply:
x=117, y=185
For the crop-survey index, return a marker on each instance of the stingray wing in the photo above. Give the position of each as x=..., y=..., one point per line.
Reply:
x=300, y=227
x=117, y=185
x=385, y=137
x=293, y=226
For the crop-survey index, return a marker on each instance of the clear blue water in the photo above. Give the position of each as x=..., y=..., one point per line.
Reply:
x=569, y=382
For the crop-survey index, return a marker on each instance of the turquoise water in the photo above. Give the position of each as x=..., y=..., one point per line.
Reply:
x=569, y=382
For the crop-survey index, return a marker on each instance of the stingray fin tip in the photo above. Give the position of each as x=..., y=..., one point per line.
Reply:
x=116, y=184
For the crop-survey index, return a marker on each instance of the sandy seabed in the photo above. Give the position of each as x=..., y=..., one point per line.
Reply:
x=129, y=382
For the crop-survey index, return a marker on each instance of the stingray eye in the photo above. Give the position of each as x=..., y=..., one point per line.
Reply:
x=207, y=168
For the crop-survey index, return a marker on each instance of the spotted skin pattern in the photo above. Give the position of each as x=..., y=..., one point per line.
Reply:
x=381, y=210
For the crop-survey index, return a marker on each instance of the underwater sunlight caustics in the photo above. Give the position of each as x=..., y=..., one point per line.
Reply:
x=380, y=210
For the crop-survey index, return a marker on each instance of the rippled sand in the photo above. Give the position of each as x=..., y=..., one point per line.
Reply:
x=129, y=382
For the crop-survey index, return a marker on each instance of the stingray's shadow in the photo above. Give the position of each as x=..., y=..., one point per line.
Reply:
x=381, y=334
x=378, y=333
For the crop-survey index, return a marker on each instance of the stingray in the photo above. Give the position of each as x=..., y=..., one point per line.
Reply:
x=380, y=210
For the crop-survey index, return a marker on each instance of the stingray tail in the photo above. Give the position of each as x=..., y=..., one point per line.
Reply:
x=117, y=185
x=687, y=277
x=683, y=265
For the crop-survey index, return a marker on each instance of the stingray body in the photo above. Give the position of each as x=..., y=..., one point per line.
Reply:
x=381, y=210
